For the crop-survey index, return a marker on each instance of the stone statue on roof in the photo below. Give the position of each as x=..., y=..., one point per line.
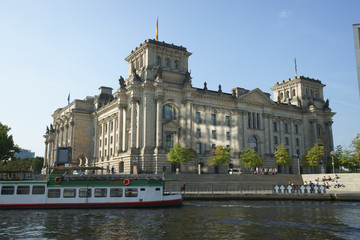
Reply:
x=121, y=82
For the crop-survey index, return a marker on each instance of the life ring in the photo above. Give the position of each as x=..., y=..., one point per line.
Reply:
x=126, y=182
x=57, y=180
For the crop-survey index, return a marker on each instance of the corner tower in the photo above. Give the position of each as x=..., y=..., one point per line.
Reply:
x=300, y=91
x=154, y=59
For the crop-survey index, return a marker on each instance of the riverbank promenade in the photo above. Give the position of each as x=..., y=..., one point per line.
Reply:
x=281, y=186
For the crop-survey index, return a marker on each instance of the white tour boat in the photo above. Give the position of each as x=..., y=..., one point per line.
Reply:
x=61, y=190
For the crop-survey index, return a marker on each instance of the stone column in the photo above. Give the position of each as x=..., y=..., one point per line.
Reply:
x=159, y=107
x=189, y=130
x=133, y=123
x=125, y=139
x=120, y=128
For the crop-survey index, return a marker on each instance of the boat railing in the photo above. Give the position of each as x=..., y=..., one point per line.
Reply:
x=110, y=177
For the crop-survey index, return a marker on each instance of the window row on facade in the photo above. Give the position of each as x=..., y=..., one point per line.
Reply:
x=71, y=192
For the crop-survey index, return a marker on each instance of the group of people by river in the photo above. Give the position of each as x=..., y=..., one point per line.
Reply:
x=325, y=182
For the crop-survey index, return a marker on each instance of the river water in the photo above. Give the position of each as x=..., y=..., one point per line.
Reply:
x=195, y=220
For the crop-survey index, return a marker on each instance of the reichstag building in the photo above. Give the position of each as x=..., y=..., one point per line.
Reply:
x=132, y=128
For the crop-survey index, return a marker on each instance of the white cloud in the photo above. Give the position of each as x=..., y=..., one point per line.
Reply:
x=284, y=14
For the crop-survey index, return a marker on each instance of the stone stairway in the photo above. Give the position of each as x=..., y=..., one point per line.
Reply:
x=351, y=181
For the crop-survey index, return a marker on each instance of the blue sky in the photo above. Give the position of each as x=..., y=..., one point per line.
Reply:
x=51, y=48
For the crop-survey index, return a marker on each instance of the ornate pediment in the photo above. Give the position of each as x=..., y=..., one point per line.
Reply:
x=256, y=96
x=171, y=126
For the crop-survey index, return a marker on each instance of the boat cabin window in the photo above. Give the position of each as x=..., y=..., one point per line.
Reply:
x=38, y=190
x=69, y=193
x=84, y=192
x=7, y=190
x=157, y=189
x=142, y=189
x=116, y=192
x=21, y=190
x=100, y=192
x=131, y=192
x=53, y=193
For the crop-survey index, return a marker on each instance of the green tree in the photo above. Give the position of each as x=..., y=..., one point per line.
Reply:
x=23, y=165
x=7, y=146
x=179, y=154
x=220, y=156
x=282, y=156
x=350, y=161
x=356, y=145
x=313, y=156
x=250, y=158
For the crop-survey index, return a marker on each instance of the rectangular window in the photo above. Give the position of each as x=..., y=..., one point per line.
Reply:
x=286, y=127
x=213, y=146
x=198, y=133
x=297, y=129
x=116, y=192
x=84, y=192
x=169, y=141
x=213, y=119
x=286, y=141
x=21, y=190
x=198, y=117
x=276, y=140
x=258, y=121
x=227, y=120
x=131, y=192
x=297, y=142
x=275, y=126
x=69, y=193
x=253, y=120
x=7, y=190
x=100, y=192
x=111, y=139
x=213, y=134
x=38, y=190
x=53, y=193
x=249, y=120
x=298, y=152
x=227, y=135
x=198, y=148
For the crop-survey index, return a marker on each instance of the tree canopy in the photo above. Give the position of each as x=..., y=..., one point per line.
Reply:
x=220, y=156
x=356, y=145
x=282, y=156
x=23, y=165
x=250, y=158
x=313, y=156
x=7, y=146
x=179, y=154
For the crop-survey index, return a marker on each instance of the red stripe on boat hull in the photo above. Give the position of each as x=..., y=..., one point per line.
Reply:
x=165, y=203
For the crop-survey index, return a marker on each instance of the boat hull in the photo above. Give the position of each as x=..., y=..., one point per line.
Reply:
x=148, y=204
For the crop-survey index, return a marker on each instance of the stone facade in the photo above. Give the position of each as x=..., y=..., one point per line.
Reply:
x=156, y=107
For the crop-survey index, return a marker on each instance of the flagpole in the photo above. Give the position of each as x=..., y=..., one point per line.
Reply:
x=295, y=67
x=157, y=28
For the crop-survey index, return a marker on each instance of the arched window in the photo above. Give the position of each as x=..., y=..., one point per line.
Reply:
x=281, y=95
x=158, y=61
x=253, y=143
x=169, y=112
x=294, y=92
x=287, y=94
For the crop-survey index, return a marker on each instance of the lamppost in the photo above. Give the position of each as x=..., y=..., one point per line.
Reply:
x=298, y=160
x=332, y=153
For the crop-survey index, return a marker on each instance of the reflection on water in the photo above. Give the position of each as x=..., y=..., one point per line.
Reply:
x=195, y=220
